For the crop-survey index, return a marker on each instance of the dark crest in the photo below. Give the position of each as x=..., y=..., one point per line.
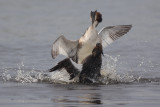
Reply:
x=96, y=16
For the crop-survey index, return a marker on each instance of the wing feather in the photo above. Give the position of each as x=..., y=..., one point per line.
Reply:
x=64, y=47
x=112, y=33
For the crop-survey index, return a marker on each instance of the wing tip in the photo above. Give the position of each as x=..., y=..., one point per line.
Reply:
x=127, y=26
x=125, y=29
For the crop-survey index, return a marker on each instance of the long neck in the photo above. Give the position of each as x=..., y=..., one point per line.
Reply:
x=90, y=34
x=95, y=23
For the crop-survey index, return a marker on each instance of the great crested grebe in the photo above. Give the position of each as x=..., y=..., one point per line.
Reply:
x=78, y=50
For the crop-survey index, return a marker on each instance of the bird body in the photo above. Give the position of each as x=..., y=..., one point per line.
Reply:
x=78, y=50
x=87, y=42
x=90, y=70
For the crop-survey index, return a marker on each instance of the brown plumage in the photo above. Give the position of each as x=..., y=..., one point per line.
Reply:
x=96, y=17
x=99, y=17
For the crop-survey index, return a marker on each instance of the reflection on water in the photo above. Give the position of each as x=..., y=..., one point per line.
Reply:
x=89, y=99
x=83, y=96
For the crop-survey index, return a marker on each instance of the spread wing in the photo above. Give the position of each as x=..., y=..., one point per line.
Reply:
x=64, y=47
x=109, y=34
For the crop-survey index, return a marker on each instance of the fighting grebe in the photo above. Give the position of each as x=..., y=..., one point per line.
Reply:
x=91, y=67
x=78, y=50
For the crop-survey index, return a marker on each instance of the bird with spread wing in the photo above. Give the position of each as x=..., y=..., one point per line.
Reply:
x=78, y=50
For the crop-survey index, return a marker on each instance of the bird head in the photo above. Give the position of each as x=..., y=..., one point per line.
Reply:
x=98, y=50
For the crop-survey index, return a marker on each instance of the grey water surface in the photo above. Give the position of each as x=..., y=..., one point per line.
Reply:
x=29, y=27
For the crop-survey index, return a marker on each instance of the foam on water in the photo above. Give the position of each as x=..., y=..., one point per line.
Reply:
x=23, y=75
x=109, y=74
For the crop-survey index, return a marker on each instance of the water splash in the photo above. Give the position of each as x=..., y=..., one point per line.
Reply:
x=109, y=74
x=23, y=75
x=5, y=75
x=27, y=77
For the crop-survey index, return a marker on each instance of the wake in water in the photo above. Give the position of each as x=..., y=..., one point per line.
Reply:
x=109, y=75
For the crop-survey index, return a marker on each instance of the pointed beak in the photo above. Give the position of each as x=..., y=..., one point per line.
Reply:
x=102, y=52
